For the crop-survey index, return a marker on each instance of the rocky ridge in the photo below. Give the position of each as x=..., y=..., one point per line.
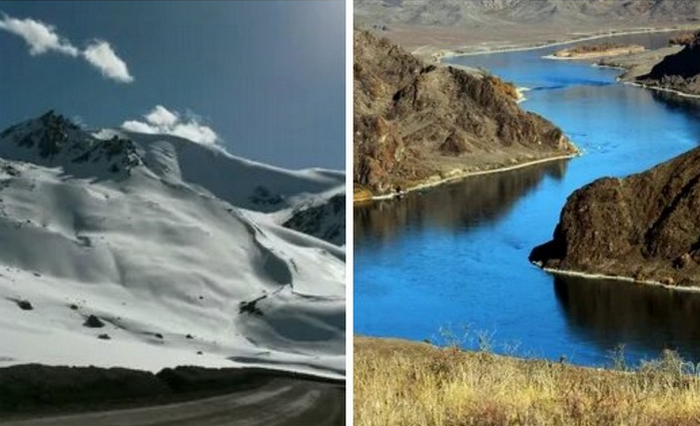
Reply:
x=417, y=123
x=52, y=140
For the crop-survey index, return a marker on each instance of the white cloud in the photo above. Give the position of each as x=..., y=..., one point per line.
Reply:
x=194, y=131
x=139, y=127
x=160, y=116
x=40, y=37
x=163, y=121
x=100, y=54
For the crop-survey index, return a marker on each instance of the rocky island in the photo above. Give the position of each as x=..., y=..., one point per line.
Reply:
x=644, y=227
x=597, y=51
x=419, y=124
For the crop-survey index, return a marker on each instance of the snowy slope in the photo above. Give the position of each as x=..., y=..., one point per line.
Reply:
x=241, y=182
x=174, y=250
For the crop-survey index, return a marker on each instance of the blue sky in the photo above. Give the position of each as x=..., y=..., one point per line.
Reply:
x=267, y=77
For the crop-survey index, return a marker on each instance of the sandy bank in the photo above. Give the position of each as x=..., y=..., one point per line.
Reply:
x=618, y=278
x=449, y=53
x=594, y=52
x=461, y=174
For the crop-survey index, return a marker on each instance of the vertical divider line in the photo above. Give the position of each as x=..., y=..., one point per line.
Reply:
x=349, y=243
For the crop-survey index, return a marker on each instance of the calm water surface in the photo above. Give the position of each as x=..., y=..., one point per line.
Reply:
x=456, y=256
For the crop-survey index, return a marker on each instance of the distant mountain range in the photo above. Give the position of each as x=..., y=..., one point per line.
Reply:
x=146, y=251
x=456, y=13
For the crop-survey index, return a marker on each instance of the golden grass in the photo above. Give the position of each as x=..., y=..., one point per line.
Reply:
x=361, y=194
x=405, y=383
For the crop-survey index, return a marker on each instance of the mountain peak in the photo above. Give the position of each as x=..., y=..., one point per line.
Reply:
x=54, y=140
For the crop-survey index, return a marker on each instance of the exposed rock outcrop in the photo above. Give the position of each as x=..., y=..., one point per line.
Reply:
x=643, y=227
x=416, y=123
x=324, y=219
x=680, y=71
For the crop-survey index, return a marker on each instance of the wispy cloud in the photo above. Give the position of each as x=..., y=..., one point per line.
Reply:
x=100, y=55
x=43, y=38
x=163, y=121
x=40, y=37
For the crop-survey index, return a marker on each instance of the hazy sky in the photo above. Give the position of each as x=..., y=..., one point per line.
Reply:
x=267, y=77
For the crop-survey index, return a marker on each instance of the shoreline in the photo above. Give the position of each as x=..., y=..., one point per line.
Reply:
x=661, y=89
x=599, y=55
x=442, y=54
x=592, y=276
x=467, y=175
x=582, y=58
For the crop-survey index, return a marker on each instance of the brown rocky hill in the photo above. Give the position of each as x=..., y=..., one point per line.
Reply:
x=643, y=227
x=680, y=71
x=417, y=123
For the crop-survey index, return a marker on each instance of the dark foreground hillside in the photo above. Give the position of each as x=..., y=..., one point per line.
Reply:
x=185, y=394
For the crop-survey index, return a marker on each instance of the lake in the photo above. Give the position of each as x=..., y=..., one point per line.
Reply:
x=455, y=257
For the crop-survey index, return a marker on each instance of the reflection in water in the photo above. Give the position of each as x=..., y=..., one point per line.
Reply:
x=675, y=101
x=646, y=318
x=460, y=205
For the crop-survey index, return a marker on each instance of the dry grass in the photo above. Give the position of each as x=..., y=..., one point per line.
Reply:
x=404, y=383
x=682, y=39
x=503, y=87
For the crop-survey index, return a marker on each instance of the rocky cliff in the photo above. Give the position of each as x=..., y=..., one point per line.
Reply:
x=643, y=227
x=679, y=71
x=417, y=123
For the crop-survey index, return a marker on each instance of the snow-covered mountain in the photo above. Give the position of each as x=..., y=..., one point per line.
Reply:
x=147, y=251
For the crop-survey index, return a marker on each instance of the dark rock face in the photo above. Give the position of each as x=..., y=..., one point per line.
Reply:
x=24, y=305
x=93, y=321
x=325, y=221
x=264, y=196
x=415, y=120
x=680, y=71
x=645, y=226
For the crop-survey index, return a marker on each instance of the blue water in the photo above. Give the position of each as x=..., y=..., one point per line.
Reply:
x=455, y=257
